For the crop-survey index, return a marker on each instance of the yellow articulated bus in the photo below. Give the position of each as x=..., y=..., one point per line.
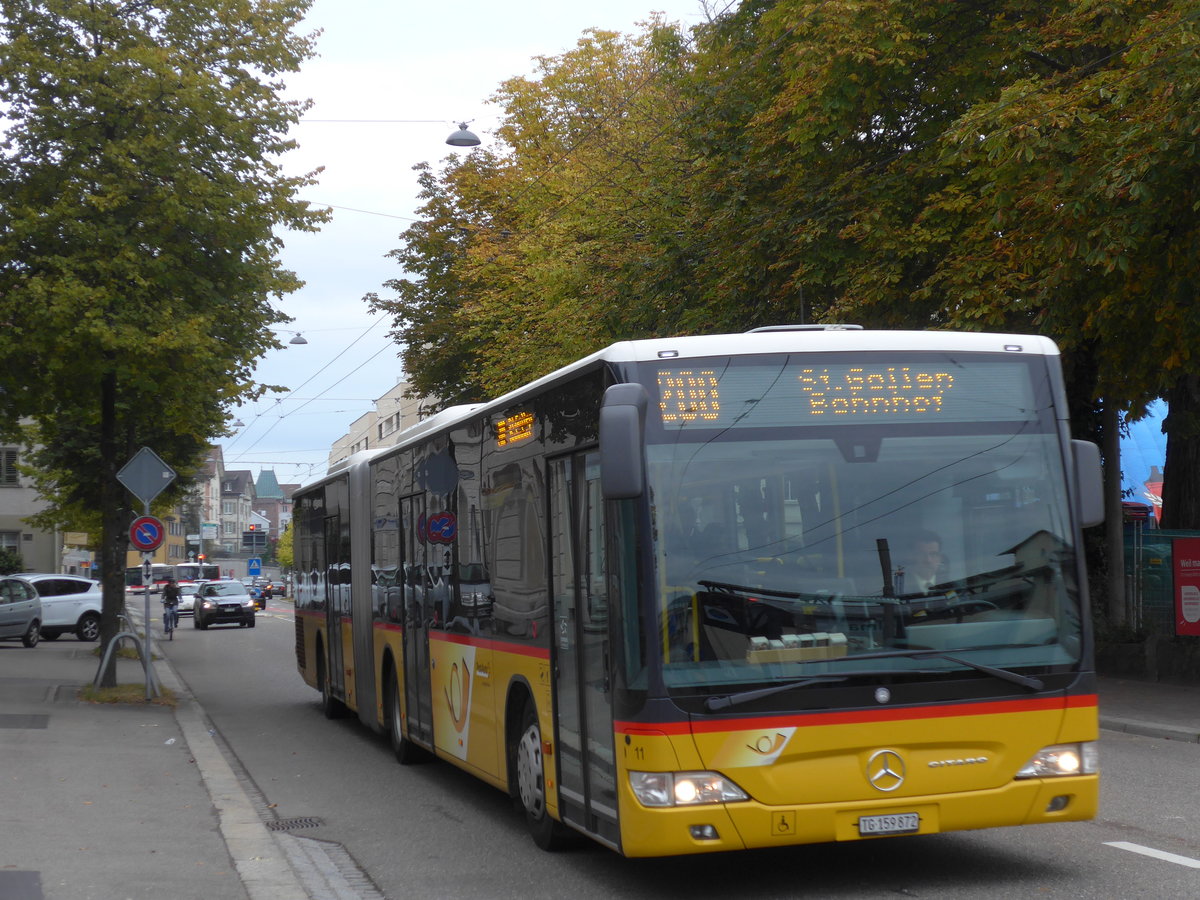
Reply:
x=710, y=593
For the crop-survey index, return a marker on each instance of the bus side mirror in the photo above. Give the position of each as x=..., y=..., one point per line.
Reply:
x=622, y=426
x=1089, y=483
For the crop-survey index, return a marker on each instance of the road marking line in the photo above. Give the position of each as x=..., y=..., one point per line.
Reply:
x=1156, y=854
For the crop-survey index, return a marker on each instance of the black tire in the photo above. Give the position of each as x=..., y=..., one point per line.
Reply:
x=202, y=625
x=50, y=635
x=88, y=628
x=528, y=766
x=250, y=622
x=331, y=706
x=33, y=634
x=406, y=752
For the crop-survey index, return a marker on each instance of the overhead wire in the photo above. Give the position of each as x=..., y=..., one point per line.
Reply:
x=290, y=394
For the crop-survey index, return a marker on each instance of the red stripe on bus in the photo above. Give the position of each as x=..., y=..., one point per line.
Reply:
x=389, y=626
x=490, y=644
x=860, y=716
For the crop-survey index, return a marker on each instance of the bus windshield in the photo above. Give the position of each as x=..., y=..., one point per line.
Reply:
x=816, y=517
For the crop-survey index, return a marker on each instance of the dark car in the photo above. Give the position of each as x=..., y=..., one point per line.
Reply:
x=223, y=601
x=259, y=590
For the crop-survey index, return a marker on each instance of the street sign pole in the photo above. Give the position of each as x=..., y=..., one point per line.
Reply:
x=146, y=476
x=148, y=656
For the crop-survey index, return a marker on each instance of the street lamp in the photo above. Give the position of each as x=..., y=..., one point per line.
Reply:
x=463, y=138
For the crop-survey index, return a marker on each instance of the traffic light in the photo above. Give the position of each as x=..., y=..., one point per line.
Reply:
x=202, y=557
x=254, y=538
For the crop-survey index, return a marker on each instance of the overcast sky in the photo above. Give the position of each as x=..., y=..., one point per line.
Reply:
x=383, y=59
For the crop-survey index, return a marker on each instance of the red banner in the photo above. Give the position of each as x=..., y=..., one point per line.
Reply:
x=1186, y=555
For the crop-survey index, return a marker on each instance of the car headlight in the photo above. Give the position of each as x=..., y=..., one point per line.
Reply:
x=683, y=788
x=207, y=604
x=249, y=601
x=1063, y=759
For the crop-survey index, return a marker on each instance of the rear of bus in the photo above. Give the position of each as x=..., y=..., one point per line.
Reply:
x=862, y=609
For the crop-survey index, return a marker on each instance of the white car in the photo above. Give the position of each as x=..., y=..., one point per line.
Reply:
x=70, y=603
x=187, y=596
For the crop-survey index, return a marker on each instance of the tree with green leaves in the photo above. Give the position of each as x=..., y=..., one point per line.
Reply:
x=285, y=549
x=10, y=561
x=525, y=252
x=140, y=201
x=1015, y=165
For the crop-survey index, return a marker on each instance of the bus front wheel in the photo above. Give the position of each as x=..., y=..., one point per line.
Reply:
x=531, y=784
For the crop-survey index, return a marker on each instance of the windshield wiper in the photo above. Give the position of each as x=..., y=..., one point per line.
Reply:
x=712, y=704
x=1026, y=681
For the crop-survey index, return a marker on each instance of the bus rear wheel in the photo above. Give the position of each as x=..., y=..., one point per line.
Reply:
x=531, y=784
x=331, y=706
x=406, y=752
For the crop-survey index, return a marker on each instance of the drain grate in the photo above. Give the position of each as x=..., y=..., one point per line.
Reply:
x=294, y=823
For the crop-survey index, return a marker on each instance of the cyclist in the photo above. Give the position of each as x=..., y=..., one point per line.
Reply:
x=170, y=600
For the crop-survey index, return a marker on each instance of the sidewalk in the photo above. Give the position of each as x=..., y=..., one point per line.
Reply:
x=131, y=801
x=1151, y=709
x=121, y=801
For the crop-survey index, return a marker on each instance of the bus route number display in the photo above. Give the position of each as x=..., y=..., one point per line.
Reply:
x=514, y=429
x=689, y=395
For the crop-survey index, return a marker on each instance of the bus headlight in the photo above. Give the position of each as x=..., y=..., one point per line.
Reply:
x=661, y=789
x=1063, y=759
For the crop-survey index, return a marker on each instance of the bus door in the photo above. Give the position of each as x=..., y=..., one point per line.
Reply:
x=419, y=603
x=336, y=605
x=583, y=701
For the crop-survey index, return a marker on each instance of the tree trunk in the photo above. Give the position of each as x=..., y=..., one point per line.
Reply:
x=1181, y=472
x=114, y=518
x=1113, y=515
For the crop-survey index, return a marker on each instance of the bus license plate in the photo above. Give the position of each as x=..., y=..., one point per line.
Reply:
x=897, y=823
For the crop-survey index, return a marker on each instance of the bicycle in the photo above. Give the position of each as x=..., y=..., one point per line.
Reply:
x=170, y=620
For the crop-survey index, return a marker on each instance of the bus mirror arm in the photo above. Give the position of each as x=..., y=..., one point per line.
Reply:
x=622, y=427
x=1089, y=483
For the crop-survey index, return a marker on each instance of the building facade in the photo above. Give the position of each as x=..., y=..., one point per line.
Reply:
x=40, y=551
x=381, y=426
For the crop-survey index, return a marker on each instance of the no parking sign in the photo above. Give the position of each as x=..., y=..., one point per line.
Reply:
x=146, y=533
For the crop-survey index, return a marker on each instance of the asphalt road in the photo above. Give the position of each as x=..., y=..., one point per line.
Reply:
x=432, y=831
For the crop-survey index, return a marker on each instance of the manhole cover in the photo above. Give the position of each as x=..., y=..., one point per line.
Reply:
x=294, y=823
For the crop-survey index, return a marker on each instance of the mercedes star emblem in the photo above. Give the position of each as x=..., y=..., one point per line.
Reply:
x=885, y=770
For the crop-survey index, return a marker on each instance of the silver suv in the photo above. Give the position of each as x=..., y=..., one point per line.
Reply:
x=70, y=603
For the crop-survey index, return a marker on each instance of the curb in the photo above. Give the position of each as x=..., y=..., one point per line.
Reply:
x=1150, y=729
x=262, y=863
